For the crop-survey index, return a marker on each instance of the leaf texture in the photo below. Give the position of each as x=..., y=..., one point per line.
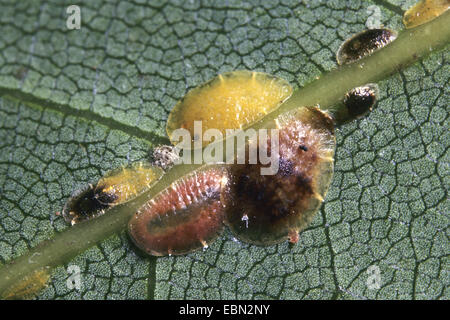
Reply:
x=76, y=103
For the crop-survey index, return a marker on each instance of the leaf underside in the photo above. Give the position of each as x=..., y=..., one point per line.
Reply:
x=77, y=103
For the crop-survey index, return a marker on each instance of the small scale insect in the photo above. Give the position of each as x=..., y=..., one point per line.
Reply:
x=184, y=217
x=363, y=44
x=229, y=101
x=165, y=156
x=258, y=209
x=116, y=187
x=424, y=11
x=358, y=101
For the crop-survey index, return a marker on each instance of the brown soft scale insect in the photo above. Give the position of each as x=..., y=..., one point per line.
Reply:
x=259, y=209
x=359, y=101
x=115, y=187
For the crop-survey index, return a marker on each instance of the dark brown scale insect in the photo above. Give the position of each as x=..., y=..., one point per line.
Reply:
x=363, y=44
x=260, y=209
x=115, y=187
x=424, y=11
x=359, y=101
x=268, y=209
x=182, y=218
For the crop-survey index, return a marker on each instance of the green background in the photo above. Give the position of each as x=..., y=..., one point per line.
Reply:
x=76, y=103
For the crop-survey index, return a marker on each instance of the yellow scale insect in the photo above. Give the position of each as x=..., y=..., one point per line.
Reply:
x=260, y=209
x=424, y=11
x=231, y=100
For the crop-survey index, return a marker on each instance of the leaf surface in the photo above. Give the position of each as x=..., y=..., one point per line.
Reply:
x=76, y=103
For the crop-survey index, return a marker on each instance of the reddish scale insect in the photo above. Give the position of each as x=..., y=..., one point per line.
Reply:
x=424, y=11
x=182, y=218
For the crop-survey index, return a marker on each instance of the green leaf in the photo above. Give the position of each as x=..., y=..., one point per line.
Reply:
x=77, y=103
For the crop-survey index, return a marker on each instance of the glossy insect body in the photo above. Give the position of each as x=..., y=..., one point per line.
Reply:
x=184, y=217
x=363, y=44
x=356, y=103
x=359, y=101
x=424, y=11
x=259, y=209
x=116, y=187
x=229, y=101
x=268, y=209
